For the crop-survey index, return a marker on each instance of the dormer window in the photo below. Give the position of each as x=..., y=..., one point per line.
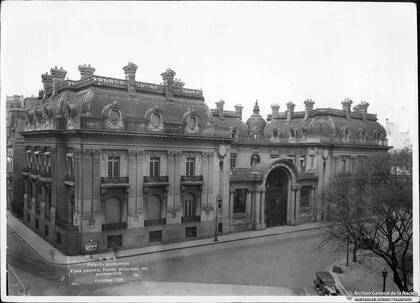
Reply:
x=234, y=133
x=255, y=159
x=192, y=122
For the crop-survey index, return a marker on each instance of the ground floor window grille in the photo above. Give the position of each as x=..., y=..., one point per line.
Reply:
x=191, y=232
x=155, y=236
x=239, y=204
x=114, y=241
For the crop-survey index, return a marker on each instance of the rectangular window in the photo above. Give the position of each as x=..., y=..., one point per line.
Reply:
x=155, y=236
x=190, y=168
x=36, y=223
x=70, y=164
x=154, y=167
x=113, y=166
x=305, y=195
x=28, y=218
x=58, y=238
x=46, y=231
x=343, y=165
x=312, y=163
x=302, y=164
x=191, y=232
x=233, y=160
x=239, y=203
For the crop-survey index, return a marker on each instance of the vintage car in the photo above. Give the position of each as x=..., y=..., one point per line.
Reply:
x=325, y=284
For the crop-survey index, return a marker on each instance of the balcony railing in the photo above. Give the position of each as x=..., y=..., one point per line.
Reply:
x=69, y=178
x=192, y=178
x=191, y=219
x=154, y=222
x=159, y=179
x=114, y=226
x=65, y=226
x=114, y=180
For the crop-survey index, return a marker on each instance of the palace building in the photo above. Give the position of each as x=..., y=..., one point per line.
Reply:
x=123, y=164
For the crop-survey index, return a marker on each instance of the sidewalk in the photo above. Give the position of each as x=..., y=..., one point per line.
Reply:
x=148, y=288
x=43, y=248
x=365, y=275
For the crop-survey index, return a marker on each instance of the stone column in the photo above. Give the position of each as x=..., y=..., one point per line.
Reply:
x=140, y=172
x=231, y=197
x=249, y=206
x=257, y=207
x=297, y=204
x=290, y=205
x=262, y=209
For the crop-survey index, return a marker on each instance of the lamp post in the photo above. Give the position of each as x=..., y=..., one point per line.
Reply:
x=384, y=274
x=218, y=202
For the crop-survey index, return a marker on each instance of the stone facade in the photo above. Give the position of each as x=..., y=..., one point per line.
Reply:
x=128, y=164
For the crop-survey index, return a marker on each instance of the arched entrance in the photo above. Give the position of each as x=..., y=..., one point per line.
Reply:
x=277, y=186
x=112, y=210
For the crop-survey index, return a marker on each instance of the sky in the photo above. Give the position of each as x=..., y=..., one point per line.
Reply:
x=275, y=52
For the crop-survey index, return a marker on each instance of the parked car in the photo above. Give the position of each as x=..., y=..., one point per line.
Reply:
x=325, y=284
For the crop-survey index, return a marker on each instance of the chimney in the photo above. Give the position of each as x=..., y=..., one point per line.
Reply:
x=58, y=75
x=86, y=71
x=347, y=106
x=362, y=109
x=274, y=109
x=219, y=105
x=290, y=109
x=238, y=110
x=47, y=81
x=309, y=106
x=130, y=75
x=168, y=81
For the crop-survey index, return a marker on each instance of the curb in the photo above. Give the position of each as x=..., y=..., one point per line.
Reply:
x=338, y=281
x=163, y=250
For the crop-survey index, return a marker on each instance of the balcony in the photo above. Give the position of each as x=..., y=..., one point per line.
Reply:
x=65, y=226
x=155, y=222
x=192, y=179
x=191, y=219
x=114, y=181
x=156, y=181
x=26, y=171
x=69, y=179
x=307, y=175
x=45, y=176
x=114, y=226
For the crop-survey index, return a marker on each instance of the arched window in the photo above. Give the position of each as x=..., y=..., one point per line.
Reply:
x=234, y=133
x=275, y=133
x=255, y=159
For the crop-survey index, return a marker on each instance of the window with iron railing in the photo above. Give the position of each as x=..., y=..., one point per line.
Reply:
x=190, y=166
x=154, y=167
x=113, y=166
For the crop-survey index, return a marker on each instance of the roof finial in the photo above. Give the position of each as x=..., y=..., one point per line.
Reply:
x=256, y=108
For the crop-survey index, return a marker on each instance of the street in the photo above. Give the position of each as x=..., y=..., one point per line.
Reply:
x=285, y=261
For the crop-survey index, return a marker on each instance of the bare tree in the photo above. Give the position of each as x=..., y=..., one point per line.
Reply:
x=372, y=208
